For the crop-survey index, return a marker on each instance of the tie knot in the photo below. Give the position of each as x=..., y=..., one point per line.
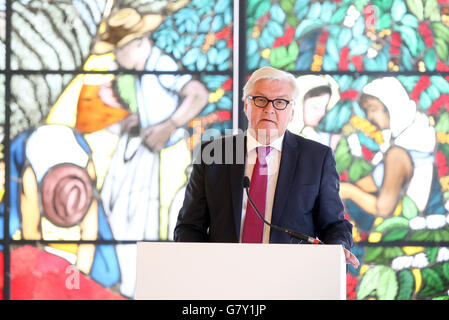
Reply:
x=262, y=153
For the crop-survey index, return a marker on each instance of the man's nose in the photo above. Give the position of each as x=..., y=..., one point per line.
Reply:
x=270, y=107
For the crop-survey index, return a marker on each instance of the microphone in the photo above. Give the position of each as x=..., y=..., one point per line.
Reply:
x=293, y=234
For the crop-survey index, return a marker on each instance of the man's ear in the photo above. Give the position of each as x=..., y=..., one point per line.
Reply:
x=292, y=114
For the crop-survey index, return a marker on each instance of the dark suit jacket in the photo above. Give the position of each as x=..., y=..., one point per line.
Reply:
x=306, y=197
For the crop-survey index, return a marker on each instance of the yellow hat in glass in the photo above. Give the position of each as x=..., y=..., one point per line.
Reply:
x=124, y=26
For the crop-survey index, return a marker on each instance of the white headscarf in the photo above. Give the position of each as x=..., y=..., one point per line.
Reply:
x=409, y=128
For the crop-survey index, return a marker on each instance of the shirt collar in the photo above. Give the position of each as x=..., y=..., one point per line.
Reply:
x=252, y=143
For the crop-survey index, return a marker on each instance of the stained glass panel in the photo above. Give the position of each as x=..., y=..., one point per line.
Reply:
x=59, y=271
x=61, y=35
x=2, y=34
x=2, y=154
x=399, y=273
x=388, y=136
x=109, y=135
x=54, y=35
x=106, y=156
x=89, y=139
x=352, y=36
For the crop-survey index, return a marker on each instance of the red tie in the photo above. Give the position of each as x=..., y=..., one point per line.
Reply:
x=253, y=225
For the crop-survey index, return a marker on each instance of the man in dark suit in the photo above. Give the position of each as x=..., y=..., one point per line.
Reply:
x=294, y=182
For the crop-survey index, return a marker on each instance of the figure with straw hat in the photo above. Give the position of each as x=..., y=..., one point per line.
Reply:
x=162, y=105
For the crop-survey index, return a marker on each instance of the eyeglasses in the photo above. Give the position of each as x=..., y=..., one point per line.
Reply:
x=262, y=102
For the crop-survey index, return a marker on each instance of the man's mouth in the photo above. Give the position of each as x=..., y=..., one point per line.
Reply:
x=270, y=120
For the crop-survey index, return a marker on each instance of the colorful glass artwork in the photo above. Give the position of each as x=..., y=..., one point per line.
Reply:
x=101, y=143
x=379, y=99
x=106, y=100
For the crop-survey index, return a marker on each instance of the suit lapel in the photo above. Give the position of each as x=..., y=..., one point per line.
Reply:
x=287, y=171
x=236, y=173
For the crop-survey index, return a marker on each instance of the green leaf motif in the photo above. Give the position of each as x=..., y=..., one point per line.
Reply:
x=396, y=235
x=282, y=57
x=359, y=169
x=440, y=83
x=409, y=37
x=339, y=15
x=433, y=283
x=384, y=22
x=406, y=285
x=424, y=100
x=409, y=209
x=314, y=11
x=388, y=284
x=393, y=252
x=433, y=92
x=443, y=234
x=360, y=4
x=416, y=7
x=445, y=270
x=421, y=235
x=443, y=123
x=383, y=5
x=372, y=253
x=342, y=155
x=127, y=91
x=307, y=25
x=288, y=5
x=431, y=10
x=392, y=223
x=343, y=162
x=369, y=282
x=430, y=60
x=441, y=49
x=440, y=31
x=261, y=8
x=441, y=298
x=410, y=20
x=292, y=21
x=277, y=14
x=380, y=281
x=431, y=253
x=398, y=10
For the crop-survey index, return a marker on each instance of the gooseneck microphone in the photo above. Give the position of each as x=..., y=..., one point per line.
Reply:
x=293, y=234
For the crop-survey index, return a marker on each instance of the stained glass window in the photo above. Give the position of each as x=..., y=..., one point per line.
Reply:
x=374, y=80
x=393, y=35
x=102, y=103
x=108, y=101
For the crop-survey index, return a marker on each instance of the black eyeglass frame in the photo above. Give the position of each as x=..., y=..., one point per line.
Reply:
x=272, y=102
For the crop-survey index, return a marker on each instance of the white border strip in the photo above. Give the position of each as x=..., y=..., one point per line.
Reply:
x=235, y=65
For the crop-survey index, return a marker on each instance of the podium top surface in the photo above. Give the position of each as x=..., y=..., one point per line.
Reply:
x=224, y=271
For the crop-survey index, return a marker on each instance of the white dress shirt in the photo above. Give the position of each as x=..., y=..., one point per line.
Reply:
x=273, y=161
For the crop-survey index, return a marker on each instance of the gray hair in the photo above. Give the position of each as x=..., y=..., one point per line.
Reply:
x=271, y=74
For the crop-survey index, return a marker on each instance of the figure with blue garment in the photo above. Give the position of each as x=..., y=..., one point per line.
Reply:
x=53, y=198
x=165, y=102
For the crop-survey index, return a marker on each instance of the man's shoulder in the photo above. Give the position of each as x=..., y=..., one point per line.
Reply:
x=305, y=143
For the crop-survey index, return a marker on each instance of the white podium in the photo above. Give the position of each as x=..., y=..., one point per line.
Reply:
x=236, y=271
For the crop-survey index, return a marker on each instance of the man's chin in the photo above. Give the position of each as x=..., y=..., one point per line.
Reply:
x=266, y=135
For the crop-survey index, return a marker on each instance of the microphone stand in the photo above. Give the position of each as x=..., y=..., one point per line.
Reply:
x=293, y=234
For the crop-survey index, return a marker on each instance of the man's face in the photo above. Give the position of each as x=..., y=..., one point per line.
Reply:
x=267, y=124
x=134, y=54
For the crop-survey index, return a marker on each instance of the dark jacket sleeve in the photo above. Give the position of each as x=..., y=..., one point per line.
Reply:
x=330, y=224
x=193, y=219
